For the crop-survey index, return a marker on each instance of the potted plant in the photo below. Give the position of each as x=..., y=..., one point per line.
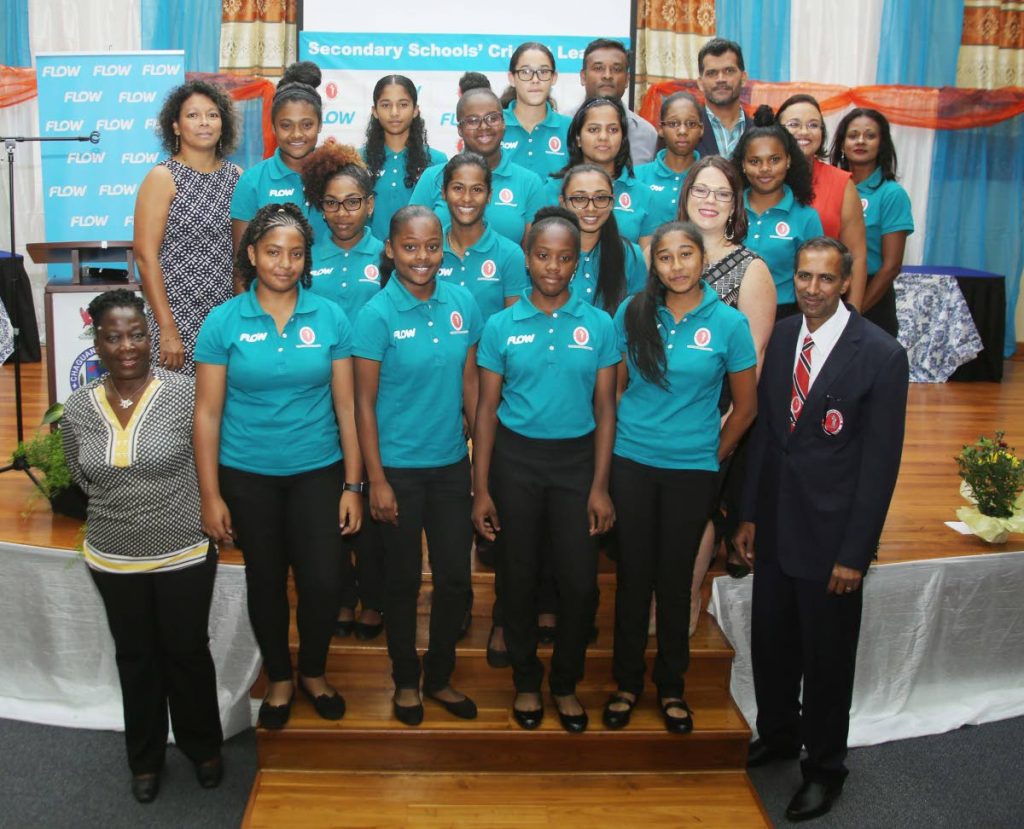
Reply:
x=993, y=481
x=45, y=452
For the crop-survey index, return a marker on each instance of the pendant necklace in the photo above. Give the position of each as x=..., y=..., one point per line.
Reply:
x=129, y=401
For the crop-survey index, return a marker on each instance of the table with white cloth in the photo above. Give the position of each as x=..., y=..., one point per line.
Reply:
x=58, y=655
x=941, y=645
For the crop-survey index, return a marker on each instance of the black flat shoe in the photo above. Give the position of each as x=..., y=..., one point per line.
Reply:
x=675, y=724
x=274, y=717
x=736, y=569
x=210, y=773
x=145, y=787
x=761, y=754
x=530, y=720
x=328, y=707
x=573, y=723
x=464, y=709
x=812, y=800
x=408, y=714
x=344, y=627
x=496, y=658
x=546, y=634
x=618, y=719
x=365, y=631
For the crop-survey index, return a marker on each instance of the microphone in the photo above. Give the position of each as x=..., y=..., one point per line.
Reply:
x=94, y=137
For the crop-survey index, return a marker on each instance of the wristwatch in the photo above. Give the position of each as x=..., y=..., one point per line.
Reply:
x=359, y=487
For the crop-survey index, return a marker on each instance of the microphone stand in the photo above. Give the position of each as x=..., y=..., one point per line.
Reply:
x=19, y=462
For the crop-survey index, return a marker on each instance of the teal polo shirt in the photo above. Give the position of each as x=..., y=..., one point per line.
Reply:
x=549, y=365
x=492, y=270
x=271, y=182
x=390, y=192
x=350, y=278
x=421, y=346
x=541, y=151
x=278, y=410
x=886, y=208
x=584, y=281
x=665, y=185
x=632, y=209
x=515, y=197
x=776, y=235
x=678, y=427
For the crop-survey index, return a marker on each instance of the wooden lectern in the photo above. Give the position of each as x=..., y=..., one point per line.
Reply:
x=61, y=253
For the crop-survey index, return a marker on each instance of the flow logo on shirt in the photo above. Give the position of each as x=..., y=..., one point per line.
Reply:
x=253, y=338
x=284, y=192
x=404, y=333
x=505, y=197
x=322, y=272
x=657, y=188
x=445, y=271
x=581, y=338
x=489, y=271
x=520, y=339
x=509, y=145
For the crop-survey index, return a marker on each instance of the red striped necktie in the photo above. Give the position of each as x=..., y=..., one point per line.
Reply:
x=801, y=382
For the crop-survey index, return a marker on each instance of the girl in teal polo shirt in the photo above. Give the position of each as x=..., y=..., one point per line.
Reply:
x=396, y=149
x=296, y=115
x=681, y=130
x=863, y=145
x=599, y=135
x=678, y=341
x=534, y=132
x=541, y=451
x=516, y=192
x=346, y=270
x=490, y=266
x=777, y=197
x=273, y=395
x=610, y=266
x=415, y=348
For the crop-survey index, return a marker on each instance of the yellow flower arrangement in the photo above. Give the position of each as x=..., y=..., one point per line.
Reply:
x=993, y=480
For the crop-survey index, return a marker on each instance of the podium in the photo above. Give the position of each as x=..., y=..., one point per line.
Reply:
x=71, y=359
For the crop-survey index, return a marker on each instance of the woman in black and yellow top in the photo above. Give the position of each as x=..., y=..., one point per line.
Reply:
x=128, y=443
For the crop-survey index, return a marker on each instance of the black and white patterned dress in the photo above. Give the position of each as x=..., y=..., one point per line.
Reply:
x=195, y=256
x=726, y=275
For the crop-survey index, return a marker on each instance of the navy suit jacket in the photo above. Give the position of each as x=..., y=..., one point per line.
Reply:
x=708, y=144
x=819, y=495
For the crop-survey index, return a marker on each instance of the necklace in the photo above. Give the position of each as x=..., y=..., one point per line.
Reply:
x=129, y=401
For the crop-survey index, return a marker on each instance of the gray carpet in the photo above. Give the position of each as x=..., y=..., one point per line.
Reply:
x=56, y=777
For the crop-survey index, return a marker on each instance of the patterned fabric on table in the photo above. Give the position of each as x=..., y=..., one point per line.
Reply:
x=6, y=335
x=936, y=326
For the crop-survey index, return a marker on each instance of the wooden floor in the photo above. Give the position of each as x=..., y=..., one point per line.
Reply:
x=940, y=419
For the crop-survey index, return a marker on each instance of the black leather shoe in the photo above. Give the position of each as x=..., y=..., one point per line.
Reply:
x=365, y=632
x=546, y=634
x=344, y=627
x=464, y=709
x=812, y=800
x=673, y=722
x=328, y=707
x=210, y=773
x=145, y=787
x=573, y=723
x=274, y=717
x=496, y=658
x=529, y=720
x=761, y=754
x=408, y=714
x=618, y=719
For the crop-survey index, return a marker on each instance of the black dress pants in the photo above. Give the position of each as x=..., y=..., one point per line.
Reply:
x=362, y=566
x=160, y=622
x=883, y=312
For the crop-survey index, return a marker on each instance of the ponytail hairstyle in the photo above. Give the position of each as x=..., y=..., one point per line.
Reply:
x=552, y=215
x=266, y=219
x=643, y=338
x=611, y=272
x=467, y=158
x=417, y=149
x=886, y=148
x=509, y=95
x=623, y=160
x=328, y=161
x=798, y=176
x=299, y=83
x=401, y=218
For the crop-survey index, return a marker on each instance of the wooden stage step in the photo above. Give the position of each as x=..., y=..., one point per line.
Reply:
x=522, y=801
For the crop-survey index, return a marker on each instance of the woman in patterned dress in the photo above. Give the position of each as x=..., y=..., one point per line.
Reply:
x=182, y=220
x=128, y=443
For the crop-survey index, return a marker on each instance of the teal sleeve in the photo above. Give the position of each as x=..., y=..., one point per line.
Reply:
x=636, y=268
x=476, y=321
x=550, y=192
x=895, y=210
x=210, y=347
x=535, y=198
x=426, y=191
x=650, y=220
x=619, y=323
x=343, y=347
x=437, y=157
x=513, y=271
x=244, y=203
x=742, y=354
x=610, y=354
x=370, y=339
x=488, y=352
x=812, y=226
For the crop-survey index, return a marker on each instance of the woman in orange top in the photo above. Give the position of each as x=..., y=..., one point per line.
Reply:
x=835, y=196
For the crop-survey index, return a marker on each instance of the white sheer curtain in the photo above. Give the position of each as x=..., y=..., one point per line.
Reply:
x=914, y=154
x=835, y=42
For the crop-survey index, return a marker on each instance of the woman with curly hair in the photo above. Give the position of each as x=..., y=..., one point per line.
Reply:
x=182, y=223
x=777, y=196
x=396, y=149
x=276, y=451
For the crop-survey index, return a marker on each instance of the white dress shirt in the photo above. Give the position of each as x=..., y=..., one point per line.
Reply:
x=824, y=340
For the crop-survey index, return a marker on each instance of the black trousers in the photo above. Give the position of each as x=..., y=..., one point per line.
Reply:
x=660, y=518
x=362, y=579
x=540, y=488
x=547, y=594
x=883, y=312
x=287, y=521
x=436, y=501
x=160, y=622
x=798, y=631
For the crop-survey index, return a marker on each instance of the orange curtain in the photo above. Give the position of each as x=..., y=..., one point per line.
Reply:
x=17, y=85
x=938, y=108
x=991, y=45
x=258, y=37
x=669, y=33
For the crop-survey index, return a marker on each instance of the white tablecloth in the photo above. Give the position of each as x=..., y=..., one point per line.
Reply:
x=941, y=646
x=57, y=655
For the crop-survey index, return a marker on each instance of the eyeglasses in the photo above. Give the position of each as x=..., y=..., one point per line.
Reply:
x=699, y=191
x=675, y=125
x=810, y=126
x=351, y=204
x=473, y=122
x=600, y=201
x=528, y=73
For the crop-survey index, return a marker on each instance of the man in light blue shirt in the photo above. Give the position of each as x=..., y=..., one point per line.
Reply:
x=721, y=76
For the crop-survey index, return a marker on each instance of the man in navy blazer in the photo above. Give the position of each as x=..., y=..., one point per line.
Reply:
x=720, y=77
x=822, y=467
